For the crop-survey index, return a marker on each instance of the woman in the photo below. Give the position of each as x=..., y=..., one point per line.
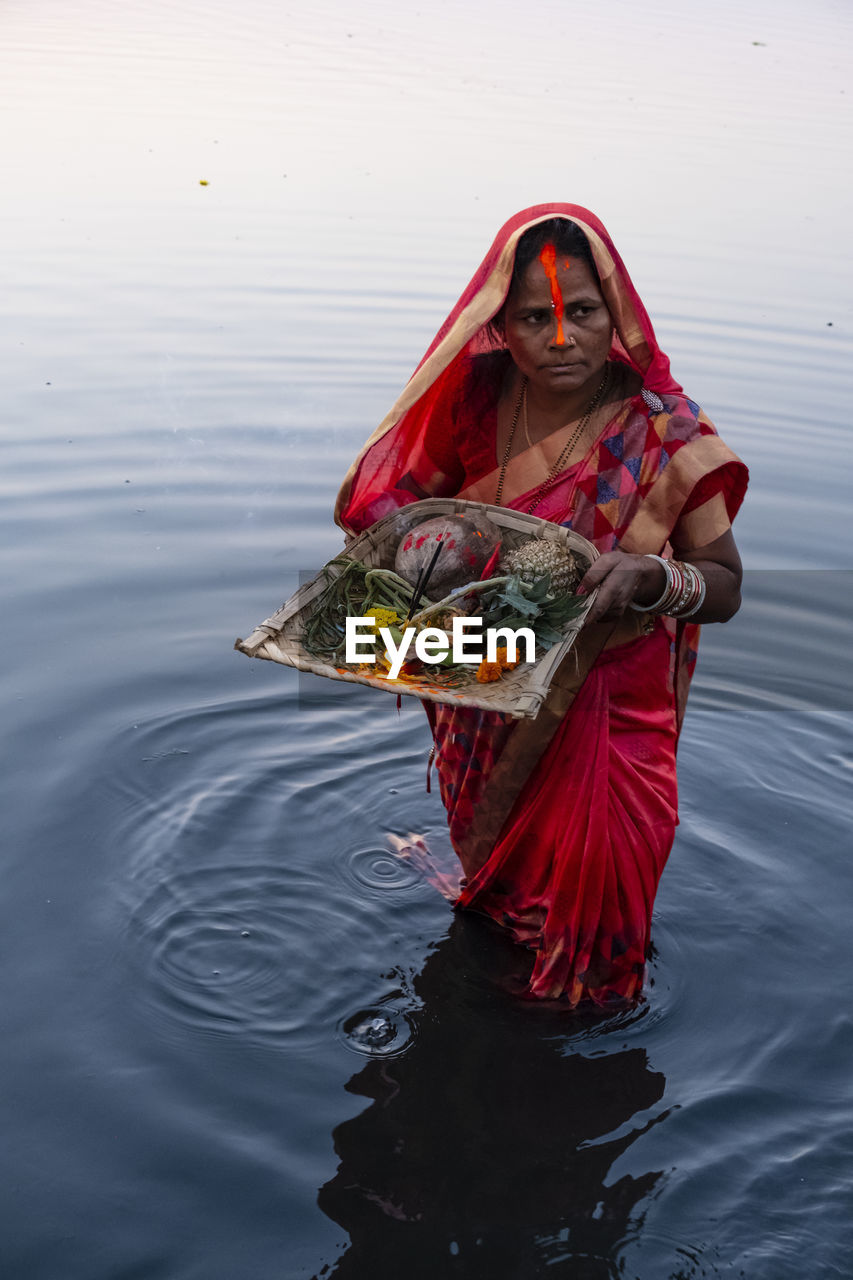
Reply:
x=545, y=391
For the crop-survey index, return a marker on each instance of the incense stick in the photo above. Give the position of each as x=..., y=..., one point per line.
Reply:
x=423, y=579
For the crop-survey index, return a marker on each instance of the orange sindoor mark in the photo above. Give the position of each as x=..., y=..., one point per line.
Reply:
x=548, y=258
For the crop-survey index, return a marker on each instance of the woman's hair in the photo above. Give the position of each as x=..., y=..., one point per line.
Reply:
x=565, y=236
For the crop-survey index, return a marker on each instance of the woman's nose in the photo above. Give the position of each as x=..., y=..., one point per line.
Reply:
x=560, y=336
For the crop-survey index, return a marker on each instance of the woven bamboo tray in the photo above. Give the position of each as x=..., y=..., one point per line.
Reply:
x=518, y=693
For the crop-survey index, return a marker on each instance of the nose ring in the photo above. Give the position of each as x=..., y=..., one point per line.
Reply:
x=570, y=342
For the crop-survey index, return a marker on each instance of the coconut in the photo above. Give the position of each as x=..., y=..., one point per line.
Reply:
x=468, y=544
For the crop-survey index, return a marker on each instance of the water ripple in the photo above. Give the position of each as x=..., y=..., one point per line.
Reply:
x=380, y=1032
x=278, y=935
x=253, y=950
x=377, y=871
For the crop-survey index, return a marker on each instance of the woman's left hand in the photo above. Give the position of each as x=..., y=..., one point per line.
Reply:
x=621, y=578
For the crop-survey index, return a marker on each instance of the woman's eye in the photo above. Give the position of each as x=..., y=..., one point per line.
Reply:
x=538, y=317
x=581, y=311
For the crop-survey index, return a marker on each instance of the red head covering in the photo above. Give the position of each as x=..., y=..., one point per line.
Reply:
x=399, y=437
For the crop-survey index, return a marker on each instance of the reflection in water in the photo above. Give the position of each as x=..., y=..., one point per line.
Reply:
x=483, y=1151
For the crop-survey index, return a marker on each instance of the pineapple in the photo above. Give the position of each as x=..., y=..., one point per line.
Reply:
x=539, y=556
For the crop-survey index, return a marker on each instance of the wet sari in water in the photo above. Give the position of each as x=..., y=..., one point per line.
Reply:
x=563, y=824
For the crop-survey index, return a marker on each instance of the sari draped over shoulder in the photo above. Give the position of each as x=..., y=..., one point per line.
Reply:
x=563, y=823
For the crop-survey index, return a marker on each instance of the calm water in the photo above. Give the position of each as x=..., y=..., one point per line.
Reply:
x=238, y=1040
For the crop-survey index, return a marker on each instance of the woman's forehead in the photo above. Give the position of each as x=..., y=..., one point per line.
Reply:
x=574, y=278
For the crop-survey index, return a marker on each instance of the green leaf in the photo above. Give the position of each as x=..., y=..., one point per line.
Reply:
x=547, y=636
x=564, y=609
x=516, y=600
x=538, y=589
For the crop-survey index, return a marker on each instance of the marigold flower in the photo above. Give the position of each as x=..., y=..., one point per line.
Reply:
x=487, y=672
x=503, y=660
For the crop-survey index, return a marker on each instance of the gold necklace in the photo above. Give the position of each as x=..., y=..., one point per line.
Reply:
x=558, y=465
x=524, y=421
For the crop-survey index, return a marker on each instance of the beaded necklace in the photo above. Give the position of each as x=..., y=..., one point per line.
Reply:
x=564, y=454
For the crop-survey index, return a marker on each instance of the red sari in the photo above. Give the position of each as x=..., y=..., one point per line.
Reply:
x=563, y=824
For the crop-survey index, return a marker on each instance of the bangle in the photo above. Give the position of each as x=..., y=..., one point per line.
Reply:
x=650, y=608
x=679, y=582
x=676, y=590
x=688, y=590
x=700, y=597
x=684, y=593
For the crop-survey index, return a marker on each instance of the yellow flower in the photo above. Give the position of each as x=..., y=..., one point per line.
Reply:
x=382, y=618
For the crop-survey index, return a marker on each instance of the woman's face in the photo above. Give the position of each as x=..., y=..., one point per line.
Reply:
x=558, y=328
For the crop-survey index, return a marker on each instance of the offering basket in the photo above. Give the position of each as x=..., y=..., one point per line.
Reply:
x=518, y=693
